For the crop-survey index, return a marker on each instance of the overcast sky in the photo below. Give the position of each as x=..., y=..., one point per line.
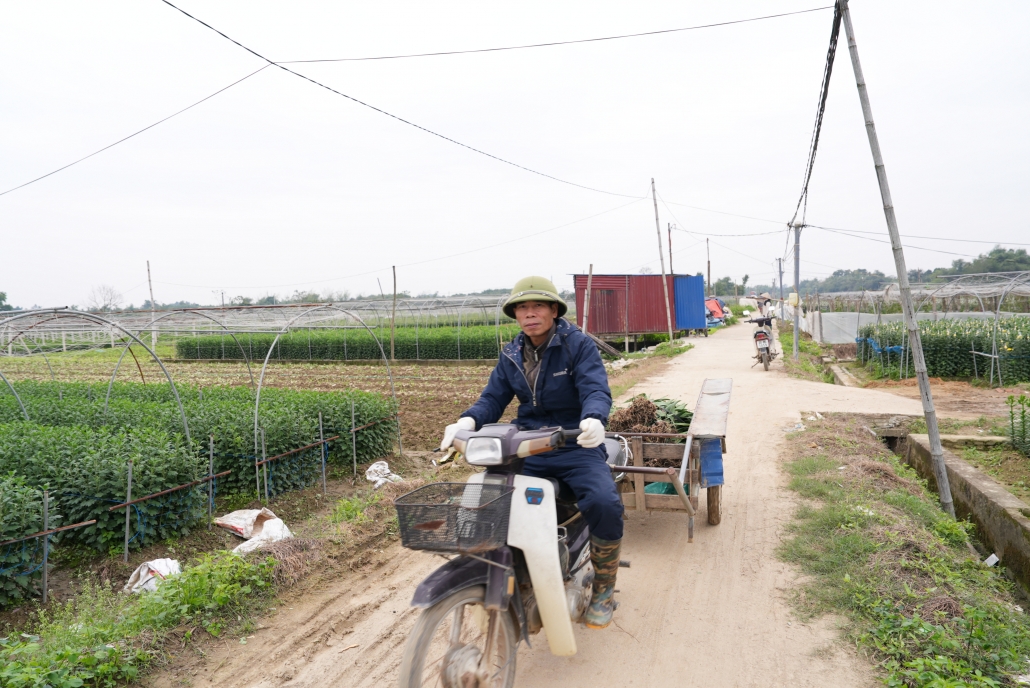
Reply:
x=277, y=185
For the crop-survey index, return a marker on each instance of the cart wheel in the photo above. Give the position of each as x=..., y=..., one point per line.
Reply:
x=714, y=505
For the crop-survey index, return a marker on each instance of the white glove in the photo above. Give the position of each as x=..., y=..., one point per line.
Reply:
x=451, y=430
x=593, y=433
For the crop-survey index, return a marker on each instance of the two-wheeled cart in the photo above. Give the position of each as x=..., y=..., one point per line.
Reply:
x=670, y=477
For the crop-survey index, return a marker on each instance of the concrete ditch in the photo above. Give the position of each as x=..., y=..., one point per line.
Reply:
x=1002, y=519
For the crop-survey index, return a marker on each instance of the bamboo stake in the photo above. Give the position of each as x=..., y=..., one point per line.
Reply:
x=393, y=314
x=586, y=298
x=128, y=511
x=661, y=258
x=321, y=438
x=46, y=543
x=211, y=481
x=915, y=342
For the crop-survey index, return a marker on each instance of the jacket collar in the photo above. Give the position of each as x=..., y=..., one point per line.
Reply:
x=514, y=347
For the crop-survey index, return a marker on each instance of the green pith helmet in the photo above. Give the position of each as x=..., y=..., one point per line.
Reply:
x=533, y=289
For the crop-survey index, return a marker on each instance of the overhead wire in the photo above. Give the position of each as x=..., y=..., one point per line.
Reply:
x=420, y=262
x=557, y=43
x=390, y=114
x=921, y=236
x=137, y=133
x=887, y=241
x=824, y=92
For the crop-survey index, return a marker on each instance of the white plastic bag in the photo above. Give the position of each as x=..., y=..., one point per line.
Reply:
x=379, y=474
x=148, y=574
x=246, y=523
x=273, y=530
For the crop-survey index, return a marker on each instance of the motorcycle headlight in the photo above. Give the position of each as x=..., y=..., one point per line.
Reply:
x=484, y=451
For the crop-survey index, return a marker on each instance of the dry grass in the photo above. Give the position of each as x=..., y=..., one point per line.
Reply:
x=293, y=559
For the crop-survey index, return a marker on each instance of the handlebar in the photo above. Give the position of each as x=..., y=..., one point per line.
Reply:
x=571, y=434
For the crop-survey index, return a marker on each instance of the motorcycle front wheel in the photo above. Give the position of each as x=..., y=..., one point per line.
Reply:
x=447, y=645
x=765, y=360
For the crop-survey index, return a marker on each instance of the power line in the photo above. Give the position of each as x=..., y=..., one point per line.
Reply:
x=556, y=43
x=389, y=114
x=918, y=236
x=824, y=92
x=884, y=241
x=677, y=229
x=122, y=140
x=722, y=212
x=420, y=262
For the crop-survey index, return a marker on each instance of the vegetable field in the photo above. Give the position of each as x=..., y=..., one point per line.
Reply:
x=79, y=451
x=433, y=343
x=947, y=345
x=21, y=512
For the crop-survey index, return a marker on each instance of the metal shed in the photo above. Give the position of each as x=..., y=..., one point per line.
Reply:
x=690, y=303
x=624, y=305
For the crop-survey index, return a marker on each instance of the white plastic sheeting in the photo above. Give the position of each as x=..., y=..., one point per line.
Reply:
x=379, y=474
x=148, y=574
x=842, y=328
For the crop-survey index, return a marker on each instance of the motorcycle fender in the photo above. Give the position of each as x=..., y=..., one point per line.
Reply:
x=457, y=574
x=533, y=528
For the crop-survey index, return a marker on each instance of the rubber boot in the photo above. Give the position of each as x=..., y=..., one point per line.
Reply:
x=604, y=554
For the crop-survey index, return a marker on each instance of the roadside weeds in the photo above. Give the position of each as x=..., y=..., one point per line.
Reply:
x=877, y=550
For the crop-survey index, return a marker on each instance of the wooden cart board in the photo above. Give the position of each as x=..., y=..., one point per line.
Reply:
x=712, y=410
x=700, y=456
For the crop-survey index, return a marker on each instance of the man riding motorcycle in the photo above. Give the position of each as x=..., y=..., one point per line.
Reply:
x=557, y=374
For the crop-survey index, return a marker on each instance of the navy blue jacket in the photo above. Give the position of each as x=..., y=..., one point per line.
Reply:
x=571, y=384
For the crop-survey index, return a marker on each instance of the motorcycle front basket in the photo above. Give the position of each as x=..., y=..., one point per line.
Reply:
x=455, y=517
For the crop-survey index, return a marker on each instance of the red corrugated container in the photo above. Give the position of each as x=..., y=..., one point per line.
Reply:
x=609, y=297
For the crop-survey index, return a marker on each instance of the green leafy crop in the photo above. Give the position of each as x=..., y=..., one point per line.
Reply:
x=948, y=345
x=470, y=342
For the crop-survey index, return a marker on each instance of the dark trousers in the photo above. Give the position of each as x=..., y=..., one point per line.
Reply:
x=585, y=471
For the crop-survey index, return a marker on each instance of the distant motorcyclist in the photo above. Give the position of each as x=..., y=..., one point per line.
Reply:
x=557, y=374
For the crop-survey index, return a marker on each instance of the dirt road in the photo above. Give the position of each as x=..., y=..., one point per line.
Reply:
x=710, y=613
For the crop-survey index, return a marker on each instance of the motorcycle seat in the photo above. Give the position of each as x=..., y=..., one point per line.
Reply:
x=563, y=494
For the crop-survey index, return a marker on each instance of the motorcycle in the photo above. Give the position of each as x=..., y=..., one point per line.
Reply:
x=523, y=560
x=764, y=350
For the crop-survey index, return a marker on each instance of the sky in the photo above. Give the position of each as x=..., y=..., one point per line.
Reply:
x=277, y=185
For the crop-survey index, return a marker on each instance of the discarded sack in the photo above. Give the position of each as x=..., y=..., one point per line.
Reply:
x=246, y=523
x=259, y=527
x=148, y=574
x=379, y=474
x=273, y=530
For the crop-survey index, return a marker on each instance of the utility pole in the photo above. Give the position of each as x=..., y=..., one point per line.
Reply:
x=779, y=261
x=661, y=258
x=153, y=311
x=671, y=271
x=915, y=342
x=797, y=286
x=393, y=314
x=586, y=299
x=709, y=252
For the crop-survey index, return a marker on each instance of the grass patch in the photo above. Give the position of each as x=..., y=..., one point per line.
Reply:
x=104, y=638
x=877, y=549
x=354, y=509
x=809, y=365
x=1004, y=464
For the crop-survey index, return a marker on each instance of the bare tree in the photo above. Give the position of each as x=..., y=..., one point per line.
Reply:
x=104, y=298
x=646, y=271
